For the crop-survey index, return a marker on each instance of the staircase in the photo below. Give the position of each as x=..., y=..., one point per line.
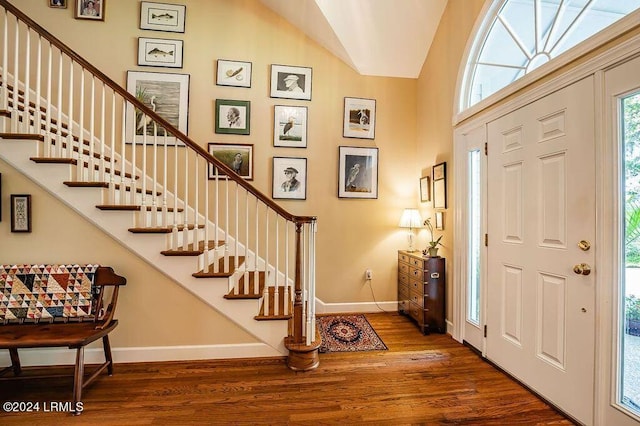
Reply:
x=70, y=129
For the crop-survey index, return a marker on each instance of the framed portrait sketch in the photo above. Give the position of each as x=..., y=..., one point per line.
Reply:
x=290, y=82
x=89, y=9
x=165, y=94
x=358, y=172
x=233, y=117
x=289, y=178
x=233, y=73
x=60, y=4
x=439, y=175
x=162, y=16
x=20, y=213
x=159, y=52
x=290, y=126
x=359, y=118
x=425, y=189
x=239, y=158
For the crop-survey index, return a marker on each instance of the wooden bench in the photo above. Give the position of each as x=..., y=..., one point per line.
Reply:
x=57, y=306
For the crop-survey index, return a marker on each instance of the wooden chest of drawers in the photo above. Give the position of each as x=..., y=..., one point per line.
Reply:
x=421, y=290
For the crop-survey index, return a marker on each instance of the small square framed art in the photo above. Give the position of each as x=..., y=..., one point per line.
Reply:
x=233, y=117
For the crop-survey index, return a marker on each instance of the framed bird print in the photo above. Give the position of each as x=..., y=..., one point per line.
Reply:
x=233, y=73
x=238, y=158
x=165, y=94
x=290, y=126
x=358, y=172
x=359, y=118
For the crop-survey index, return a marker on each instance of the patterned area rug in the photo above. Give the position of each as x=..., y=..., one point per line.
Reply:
x=348, y=333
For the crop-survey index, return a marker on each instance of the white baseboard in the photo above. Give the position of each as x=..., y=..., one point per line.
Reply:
x=58, y=356
x=363, y=307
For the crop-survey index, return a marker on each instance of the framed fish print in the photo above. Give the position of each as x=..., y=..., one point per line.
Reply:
x=90, y=9
x=165, y=94
x=233, y=73
x=358, y=172
x=290, y=126
x=359, y=118
x=159, y=52
x=162, y=16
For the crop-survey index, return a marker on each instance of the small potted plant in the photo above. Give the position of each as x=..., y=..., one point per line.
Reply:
x=633, y=315
x=432, y=250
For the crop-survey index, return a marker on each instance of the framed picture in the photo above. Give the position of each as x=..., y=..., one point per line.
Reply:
x=233, y=73
x=359, y=118
x=289, y=178
x=59, y=4
x=239, y=158
x=89, y=9
x=290, y=82
x=166, y=94
x=290, y=126
x=20, y=213
x=358, y=172
x=159, y=52
x=439, y=221
x=439, y=175
x=162, y=16
x=233, y=117
x=425, y=189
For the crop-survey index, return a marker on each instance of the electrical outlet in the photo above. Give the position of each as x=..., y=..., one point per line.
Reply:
x=368, y=274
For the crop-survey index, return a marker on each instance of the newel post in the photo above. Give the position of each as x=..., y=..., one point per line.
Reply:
x=302, y=357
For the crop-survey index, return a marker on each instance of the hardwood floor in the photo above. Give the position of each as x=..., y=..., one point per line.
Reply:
x=427, y=380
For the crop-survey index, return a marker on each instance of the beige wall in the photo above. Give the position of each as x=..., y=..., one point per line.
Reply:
x=436, y=91
x=353, y=234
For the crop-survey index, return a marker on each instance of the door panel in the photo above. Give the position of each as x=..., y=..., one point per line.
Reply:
x=541, y=179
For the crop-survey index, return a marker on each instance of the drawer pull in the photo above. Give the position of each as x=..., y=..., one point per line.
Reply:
x=435, y=275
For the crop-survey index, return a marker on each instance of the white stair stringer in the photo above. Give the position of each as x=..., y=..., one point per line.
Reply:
x=50, y=177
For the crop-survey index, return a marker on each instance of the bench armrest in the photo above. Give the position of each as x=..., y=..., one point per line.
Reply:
x=105, y=276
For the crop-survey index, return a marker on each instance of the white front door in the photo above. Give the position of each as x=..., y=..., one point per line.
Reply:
x=541, y=205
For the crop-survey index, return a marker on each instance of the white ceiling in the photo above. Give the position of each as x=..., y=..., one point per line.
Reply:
x=388, y=38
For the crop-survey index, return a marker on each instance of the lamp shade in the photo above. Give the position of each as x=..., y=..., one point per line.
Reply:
x=410, y=219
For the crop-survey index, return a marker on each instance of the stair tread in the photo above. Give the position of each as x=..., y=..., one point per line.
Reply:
x=262, y=316
x=22, y=136
x=190, y=250
x=161, y=229
x=250, y=293
x=135, y=207
x=209, y=273
x=80, y=184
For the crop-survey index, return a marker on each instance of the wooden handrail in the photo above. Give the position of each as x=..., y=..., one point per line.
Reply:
x=150, y=113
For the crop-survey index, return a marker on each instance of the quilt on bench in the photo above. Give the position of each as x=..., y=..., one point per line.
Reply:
x=35, y=292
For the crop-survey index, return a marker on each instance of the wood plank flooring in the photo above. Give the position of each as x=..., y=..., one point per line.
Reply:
x=430, y=380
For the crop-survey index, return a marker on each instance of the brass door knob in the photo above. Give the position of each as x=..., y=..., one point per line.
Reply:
x=582, y=269
x=584, y=245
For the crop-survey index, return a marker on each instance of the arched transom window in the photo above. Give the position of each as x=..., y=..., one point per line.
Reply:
x=517, y=36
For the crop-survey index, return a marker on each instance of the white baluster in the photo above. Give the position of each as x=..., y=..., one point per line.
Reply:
x=16, y=88
x=37, y=116
x=26, y=115
x=4, y=76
